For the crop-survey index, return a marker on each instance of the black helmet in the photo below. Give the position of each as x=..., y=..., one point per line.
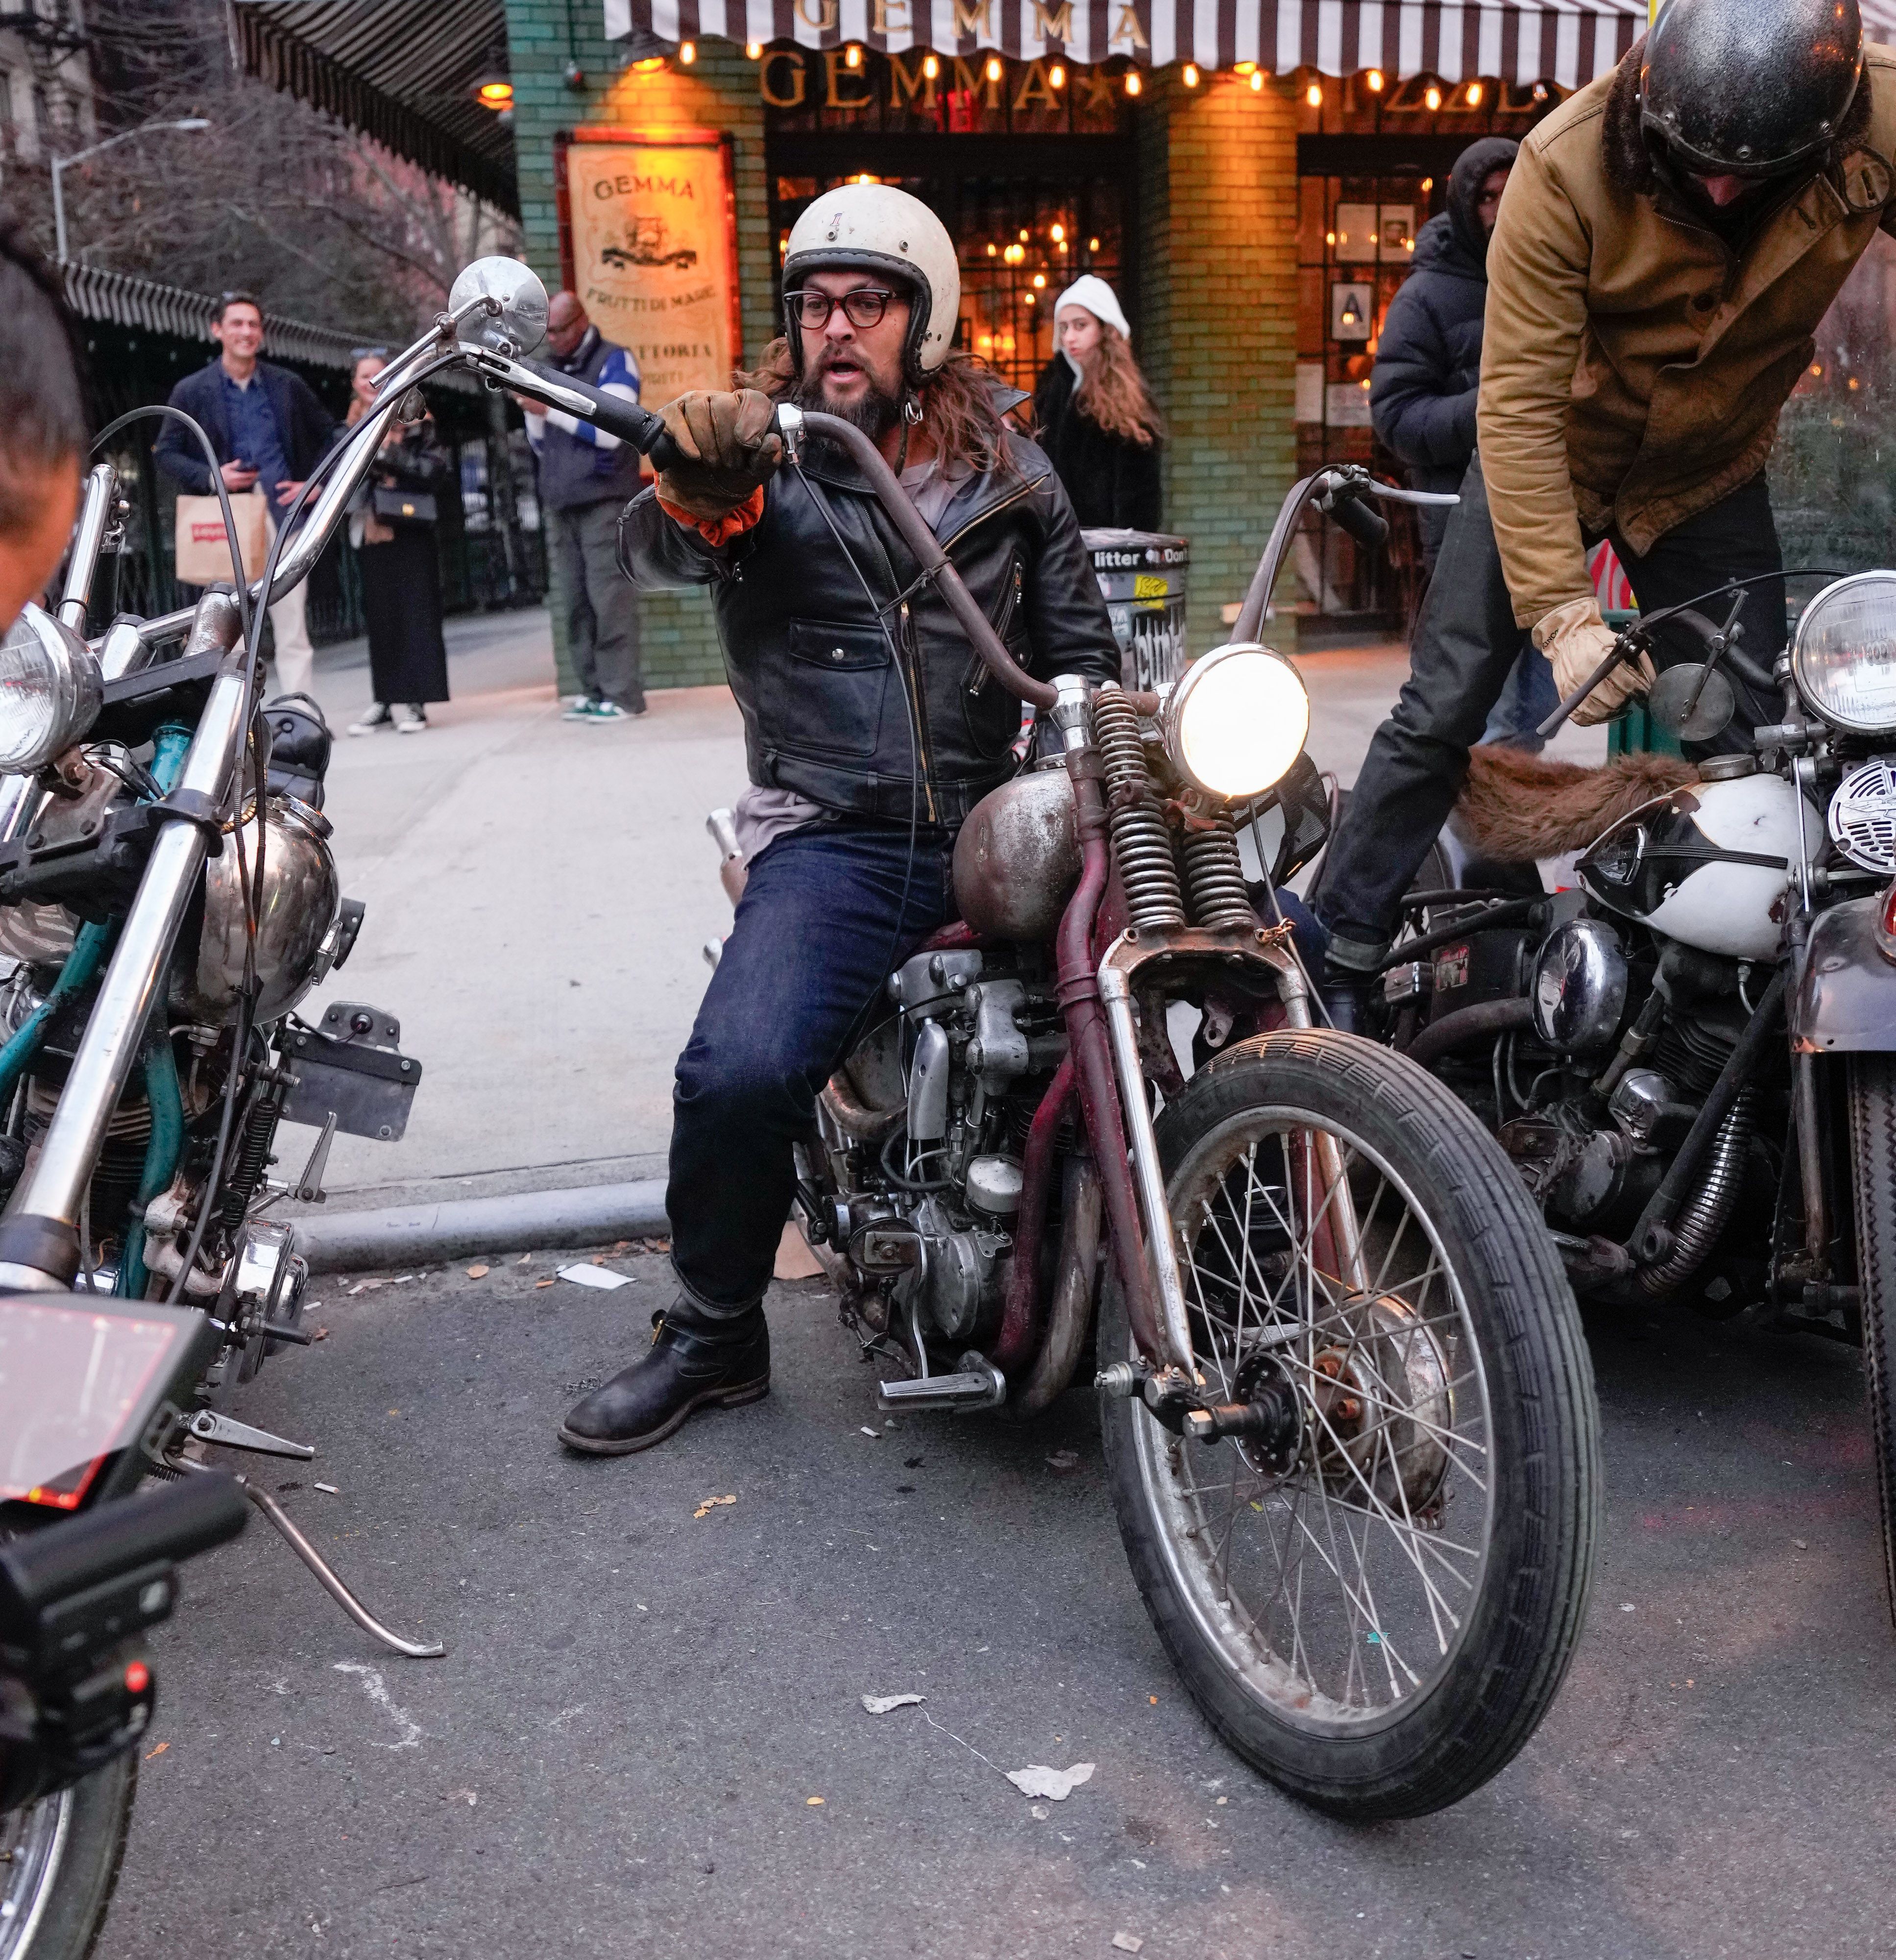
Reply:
x=1750, y=88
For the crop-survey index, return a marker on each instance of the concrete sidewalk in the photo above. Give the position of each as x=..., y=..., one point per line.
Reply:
x=537, y=892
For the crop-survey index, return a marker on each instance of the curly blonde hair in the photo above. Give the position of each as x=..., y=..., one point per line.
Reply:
x=1112, y=392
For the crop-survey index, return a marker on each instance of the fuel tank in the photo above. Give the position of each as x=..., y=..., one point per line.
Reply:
x=299, y=897
x=1709, y=865
x=1017, y=858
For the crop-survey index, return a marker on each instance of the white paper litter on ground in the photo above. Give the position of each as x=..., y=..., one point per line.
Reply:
x=880, y=1705
x=1038, y=1780
x=595, y=1276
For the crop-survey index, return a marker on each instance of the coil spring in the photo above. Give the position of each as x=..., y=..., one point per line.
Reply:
x=1214, y=875
x=1141, y=844
x=254, y=1157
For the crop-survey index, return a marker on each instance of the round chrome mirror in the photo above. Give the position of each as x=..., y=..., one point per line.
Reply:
x=1690, y=705
x=520, y=325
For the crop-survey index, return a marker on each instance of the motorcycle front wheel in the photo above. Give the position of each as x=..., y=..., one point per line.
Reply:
x=59, y=1861
x=1377, y=1614
x=1872, y=1126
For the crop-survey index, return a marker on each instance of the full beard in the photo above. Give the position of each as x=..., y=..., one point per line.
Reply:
x=875, y=412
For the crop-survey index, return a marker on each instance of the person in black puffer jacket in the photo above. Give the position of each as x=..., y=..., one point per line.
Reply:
x=1428, y=357
x=1427, y=377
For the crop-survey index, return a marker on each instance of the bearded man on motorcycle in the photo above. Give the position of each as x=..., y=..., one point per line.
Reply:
x=870, y=727
x=1668, y=240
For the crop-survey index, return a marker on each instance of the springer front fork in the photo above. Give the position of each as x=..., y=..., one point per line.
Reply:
x=1225, y=931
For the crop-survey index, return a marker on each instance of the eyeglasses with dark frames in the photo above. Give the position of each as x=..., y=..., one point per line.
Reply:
x=368, y=354
x=864, y=307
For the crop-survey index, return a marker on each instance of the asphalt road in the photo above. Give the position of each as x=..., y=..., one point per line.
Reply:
x=618, y=1754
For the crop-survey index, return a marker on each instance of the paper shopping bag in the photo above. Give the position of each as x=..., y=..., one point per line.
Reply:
x=203, y=552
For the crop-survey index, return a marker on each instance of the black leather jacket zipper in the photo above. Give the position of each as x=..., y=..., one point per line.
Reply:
x=918, y=708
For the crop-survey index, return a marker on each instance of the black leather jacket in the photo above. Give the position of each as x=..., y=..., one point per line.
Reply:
x=824, y=710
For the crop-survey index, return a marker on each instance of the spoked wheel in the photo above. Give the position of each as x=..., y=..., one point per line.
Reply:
x=1378, y=1610
x=59, y=1862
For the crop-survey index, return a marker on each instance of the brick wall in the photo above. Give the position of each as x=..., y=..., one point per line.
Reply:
x=1217, y=231
x=717, y=91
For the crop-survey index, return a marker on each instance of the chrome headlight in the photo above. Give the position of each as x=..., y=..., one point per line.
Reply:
x=1237, y=720
x=50, y=689
x=1844, y=656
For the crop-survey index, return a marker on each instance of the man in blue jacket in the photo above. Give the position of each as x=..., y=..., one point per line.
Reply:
x=587, y=478
x=1428, y=373
x=268, y=428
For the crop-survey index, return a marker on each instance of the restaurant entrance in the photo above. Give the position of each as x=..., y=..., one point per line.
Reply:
x=1030, y=168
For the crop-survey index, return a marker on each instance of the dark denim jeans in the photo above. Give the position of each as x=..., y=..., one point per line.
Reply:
x=815, y=938
x=1466, y=646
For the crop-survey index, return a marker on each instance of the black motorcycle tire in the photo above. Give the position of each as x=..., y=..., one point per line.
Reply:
x=79, y=1888
x=1526, y=1618
x=1873, y=1124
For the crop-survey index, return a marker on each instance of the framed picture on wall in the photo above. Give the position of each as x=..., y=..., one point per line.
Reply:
x=1352, y=310
x=648, y=239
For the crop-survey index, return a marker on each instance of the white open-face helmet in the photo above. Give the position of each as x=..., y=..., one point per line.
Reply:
x=876, y=228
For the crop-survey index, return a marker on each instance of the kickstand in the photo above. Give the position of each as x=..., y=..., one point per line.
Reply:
x=337, y=1591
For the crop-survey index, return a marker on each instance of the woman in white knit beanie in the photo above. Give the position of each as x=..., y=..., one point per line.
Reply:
x=1096, y=418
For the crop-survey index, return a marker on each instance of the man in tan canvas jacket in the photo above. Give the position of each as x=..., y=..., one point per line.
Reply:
x=1668, y=240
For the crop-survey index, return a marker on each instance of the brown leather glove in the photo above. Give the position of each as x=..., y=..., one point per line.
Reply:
x=730, y=449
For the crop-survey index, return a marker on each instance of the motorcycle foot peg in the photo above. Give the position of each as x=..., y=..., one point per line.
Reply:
x=978, y=1384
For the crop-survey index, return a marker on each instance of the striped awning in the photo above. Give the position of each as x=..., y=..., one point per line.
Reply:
x=1569, y=41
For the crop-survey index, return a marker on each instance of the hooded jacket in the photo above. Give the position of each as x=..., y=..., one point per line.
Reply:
x=827, y=712
x=1636, y=358
x=1428, y=357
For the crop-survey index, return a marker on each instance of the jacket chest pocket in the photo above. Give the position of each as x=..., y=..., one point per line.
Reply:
x=1009, y=629
x=826, y=699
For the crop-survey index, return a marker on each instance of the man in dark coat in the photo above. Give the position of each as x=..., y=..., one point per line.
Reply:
x=1428, y=373
x=268, y=430
x=1428, y=357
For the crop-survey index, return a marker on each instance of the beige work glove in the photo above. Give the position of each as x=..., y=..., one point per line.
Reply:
x=730, y=449
x=1576, y=639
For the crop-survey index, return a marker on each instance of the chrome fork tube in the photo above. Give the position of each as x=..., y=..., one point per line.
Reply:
x=53, y=1188
x=1115, y=995
x=95, y=513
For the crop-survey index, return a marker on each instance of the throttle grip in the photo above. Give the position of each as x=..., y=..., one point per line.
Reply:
x=640, y=427
x=1367, y=527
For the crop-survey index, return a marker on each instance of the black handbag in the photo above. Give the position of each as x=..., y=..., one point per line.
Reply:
x=402, y=507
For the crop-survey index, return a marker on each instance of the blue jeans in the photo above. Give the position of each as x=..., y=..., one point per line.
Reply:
x=822, y=925
x=1527, y=699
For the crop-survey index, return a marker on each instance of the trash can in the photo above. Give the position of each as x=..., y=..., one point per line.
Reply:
x=1142, y=577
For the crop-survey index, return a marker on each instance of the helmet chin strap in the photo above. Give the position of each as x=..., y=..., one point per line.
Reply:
x=910, y=420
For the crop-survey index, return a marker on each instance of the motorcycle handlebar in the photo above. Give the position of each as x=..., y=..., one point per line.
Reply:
x=1367, y=527
x=640, y=427
x=795, y=423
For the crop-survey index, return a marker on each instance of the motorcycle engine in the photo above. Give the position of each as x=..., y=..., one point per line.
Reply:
x=924, y=1127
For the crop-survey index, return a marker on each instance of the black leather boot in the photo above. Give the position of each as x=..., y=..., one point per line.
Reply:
x=691, y=1365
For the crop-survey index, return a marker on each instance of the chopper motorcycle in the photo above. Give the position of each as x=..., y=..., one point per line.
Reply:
x=1349, y=1418
x=167, y=893
x=1690, y=1058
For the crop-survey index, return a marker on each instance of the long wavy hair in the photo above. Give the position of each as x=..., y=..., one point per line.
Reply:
x=958, y=412
x=1112, y=392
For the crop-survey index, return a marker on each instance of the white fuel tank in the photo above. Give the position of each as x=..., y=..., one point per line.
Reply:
x=1709, y=865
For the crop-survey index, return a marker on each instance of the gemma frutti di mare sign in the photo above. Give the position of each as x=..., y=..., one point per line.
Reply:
x=652, y=256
